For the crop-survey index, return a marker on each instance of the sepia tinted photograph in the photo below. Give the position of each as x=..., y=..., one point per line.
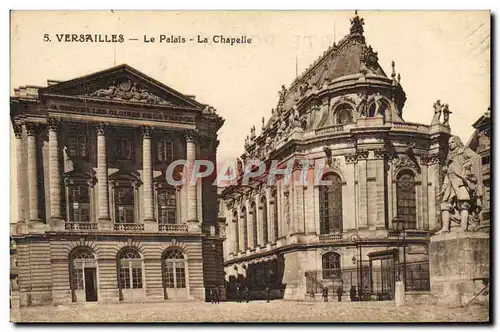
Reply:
x=250, y=166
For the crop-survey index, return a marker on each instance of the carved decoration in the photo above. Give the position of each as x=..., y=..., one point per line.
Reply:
x=369, y=59
x=101, y=129
x=403, y=162
x=53, y=124
x=146, y=131
x=362, y=154
x=357, y=24
x=31, y=129
x=350, y=158
x=18, y=131
x=128, y=91
x=190, y=136
x=379, y=153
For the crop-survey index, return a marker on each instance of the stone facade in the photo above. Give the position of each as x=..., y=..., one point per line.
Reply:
x=97, y=219
x=343, y=112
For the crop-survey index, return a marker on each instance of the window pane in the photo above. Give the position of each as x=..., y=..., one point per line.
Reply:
x=169, y=275
x=124, y=278
x=136, y=278
x=180, y=276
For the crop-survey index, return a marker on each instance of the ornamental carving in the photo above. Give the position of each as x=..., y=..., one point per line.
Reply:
x=436, y=158
x=31, y=129
x=357, y=25
x=128, y=91
x=146, y=131
x=18, y=131
x=369, y=59
x=379, y=153
x=350, y=158
x=403, y=162
x=362, y=154
x=101, y=129
x=190, y=136
x=53, y=124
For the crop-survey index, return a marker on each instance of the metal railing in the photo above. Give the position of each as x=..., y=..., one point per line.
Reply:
x=129, y=227
x=173, y=228
x=80, y=226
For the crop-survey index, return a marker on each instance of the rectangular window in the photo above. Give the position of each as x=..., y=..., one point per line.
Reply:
x=79, y=203
x=167, y=206
x=77, y=145
x=169, y=275
x=124, y=277
x=77, y=279
x=123, y=148
x=136, y=277
x=180, y=274
x=165, y=151
x=124, y=205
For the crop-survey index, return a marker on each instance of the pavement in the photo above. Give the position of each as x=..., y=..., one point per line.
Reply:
x=255, y=311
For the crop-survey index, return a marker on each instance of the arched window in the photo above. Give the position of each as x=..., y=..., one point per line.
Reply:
x=263, y=209
x=330, y=263
x=130, y=269
x=245, y=228
x=406, y=199
x=174, y=275
x=343, y=114
x=236, y=231
x=253, y=219
x=330, y=205
x=275, y=214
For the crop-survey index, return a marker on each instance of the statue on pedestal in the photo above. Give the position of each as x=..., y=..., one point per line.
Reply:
x=462, y=191
x=437, y=112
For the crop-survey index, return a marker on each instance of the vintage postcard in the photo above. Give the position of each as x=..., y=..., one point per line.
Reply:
x=250, y=166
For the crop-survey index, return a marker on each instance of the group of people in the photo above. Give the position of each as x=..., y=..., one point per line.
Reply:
x=215, y=295
x=242, y=294
x=352, y=293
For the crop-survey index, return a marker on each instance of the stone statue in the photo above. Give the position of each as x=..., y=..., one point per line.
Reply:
x=462, y=191
x=446, y=114
x=437, y=112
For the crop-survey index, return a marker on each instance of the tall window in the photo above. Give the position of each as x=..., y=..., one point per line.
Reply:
x=236, y=231
x=124, y=204
x=79, y=203
x=343, y=115
x=166, y=206
x=77, y=145
x=406, y=199
x=165, y=151
x=275, y=214
x=123, y=148
x=330, y=205
x=377, y=108
x=79, y=260
x=263, y=207
x=331, y=265
x=245, y=227
x=253, y=217
x=130, y=269
x=174, y=269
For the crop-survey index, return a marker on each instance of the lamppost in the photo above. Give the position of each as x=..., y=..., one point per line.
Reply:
x=400, y=226
x=356, y=239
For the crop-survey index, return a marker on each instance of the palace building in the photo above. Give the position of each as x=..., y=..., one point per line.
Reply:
x=370, y=227
x=97, y=219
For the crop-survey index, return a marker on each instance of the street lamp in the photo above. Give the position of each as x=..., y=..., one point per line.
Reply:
x=356, y=239
x=400, y=226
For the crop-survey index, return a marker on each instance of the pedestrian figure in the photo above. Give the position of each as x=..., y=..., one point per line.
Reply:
x=238, y=293
x=339, y=293
x=211, y=295
x=360, y=294
x=217, y=294
x=247, y=294
x=352, y=293
x=268, y=293
x=325, y=294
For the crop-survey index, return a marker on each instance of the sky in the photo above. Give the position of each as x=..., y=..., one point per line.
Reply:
x=440, y=55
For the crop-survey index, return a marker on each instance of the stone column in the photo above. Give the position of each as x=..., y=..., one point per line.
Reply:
x=56, y=220
x=34, y=216
x=241, y=229
x=192, y=193
x=147, y=181
x=362, y=189
x=102, y=179
x=18, y=131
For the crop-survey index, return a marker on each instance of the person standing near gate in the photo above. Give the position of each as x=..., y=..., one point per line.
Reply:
x=325, y=294
x=247, y=294
x=238, y=293
x=339, y=293
x=268, y=293
x=352, y=293
x=217, y=294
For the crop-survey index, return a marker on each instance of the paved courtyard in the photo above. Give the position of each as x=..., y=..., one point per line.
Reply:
x=258, y=311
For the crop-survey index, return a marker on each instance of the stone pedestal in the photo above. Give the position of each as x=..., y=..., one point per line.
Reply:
x=399, y=294
x=458, y=266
